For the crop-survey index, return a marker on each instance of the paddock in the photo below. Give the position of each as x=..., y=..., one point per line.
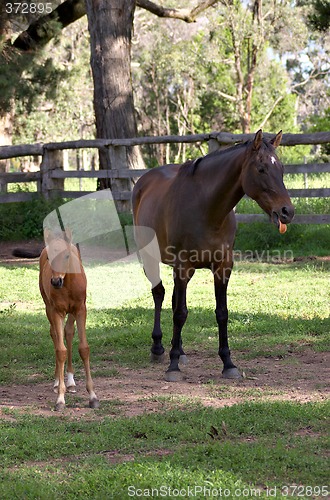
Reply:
x=150, y=434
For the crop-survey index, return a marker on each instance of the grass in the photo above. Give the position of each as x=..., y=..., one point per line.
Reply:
x=274, y=308
x=119, y=324
x=288, y=309
x=109, y=459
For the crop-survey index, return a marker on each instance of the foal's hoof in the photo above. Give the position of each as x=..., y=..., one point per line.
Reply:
x=183, y=359
x=157, y=358
x=173, y=376
x=94, y=403
x=231, y=373
x=59, y=406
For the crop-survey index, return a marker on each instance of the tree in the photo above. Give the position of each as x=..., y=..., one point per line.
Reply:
x=110, y=26
x=235, y=76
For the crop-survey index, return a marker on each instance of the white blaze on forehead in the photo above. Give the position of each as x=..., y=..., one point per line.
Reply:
x=273, y=159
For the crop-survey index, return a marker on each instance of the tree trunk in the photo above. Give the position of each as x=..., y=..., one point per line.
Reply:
x=110, y=26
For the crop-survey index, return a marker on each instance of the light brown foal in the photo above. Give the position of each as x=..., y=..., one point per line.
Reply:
x=63, y=283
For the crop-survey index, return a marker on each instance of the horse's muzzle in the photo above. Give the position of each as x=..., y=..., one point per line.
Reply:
x=57, y=282
x=284, y=214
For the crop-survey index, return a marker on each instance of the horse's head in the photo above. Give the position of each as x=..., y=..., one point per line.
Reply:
x=59, y=250
x=262, y=180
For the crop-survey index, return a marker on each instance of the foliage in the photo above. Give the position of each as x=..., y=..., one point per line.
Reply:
x=62, y=108
x=53, y=98
x=185, y=76
x=321, y=123
x=24, y=220
x=319, y=16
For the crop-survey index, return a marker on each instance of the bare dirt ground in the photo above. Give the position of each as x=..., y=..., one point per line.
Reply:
x=299, y=376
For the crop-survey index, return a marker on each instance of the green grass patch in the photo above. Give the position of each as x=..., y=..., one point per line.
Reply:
x=110, y=458
x=287, y=310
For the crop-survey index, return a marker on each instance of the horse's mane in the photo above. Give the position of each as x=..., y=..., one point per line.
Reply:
x=190, y=166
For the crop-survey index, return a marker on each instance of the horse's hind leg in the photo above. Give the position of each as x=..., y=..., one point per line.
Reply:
x=84, y=354
x=180, y=312
x=151, y=269
x=183, y=357
x=69, y=333
x=157, y=349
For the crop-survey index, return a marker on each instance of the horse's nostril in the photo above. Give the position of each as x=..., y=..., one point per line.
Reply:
x=287, y=213
x=57, y=282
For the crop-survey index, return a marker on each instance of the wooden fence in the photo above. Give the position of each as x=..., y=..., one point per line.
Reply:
x=50, y=178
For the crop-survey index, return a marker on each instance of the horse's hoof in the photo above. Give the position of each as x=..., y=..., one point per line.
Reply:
x=72, y=389
x=94, y=403
x=157, y=358
x=59, y=406
x=231, y=373
x=183, y=359
x=173, y=376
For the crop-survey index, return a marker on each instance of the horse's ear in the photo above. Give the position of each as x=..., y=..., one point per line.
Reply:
x=276, y=141
x=68, y=235
x=257, y=141
x=47, y=235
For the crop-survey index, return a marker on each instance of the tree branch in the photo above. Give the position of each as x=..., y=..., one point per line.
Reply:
x=41, y=31
x=227, y=96
x=312, y=76
x=270, y=112
x=44, y=29
x=189, y=16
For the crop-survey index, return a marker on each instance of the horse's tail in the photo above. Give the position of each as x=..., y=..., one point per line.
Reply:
x=26, y=254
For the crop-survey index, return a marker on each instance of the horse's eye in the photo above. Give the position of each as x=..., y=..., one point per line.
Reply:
x=261, y=169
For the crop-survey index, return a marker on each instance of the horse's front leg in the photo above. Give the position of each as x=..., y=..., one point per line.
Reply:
x=69, y=334
x=84, y=354
x=57, y=333
x=221, y=279
x=180, y=313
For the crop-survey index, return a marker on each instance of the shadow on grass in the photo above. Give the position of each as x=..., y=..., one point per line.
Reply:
x=122, y=336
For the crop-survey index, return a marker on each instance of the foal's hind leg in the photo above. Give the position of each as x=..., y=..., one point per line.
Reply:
x=57, y=334
x=69, y=333
x=84, y=354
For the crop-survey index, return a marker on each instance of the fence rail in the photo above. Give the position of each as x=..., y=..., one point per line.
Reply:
x=50, y=178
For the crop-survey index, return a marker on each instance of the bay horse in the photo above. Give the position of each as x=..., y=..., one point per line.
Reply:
x=189, y=209
x=62, y=283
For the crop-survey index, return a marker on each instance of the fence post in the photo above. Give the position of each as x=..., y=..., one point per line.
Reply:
x=213, y=145
x=118, y=161
x=51, y=160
